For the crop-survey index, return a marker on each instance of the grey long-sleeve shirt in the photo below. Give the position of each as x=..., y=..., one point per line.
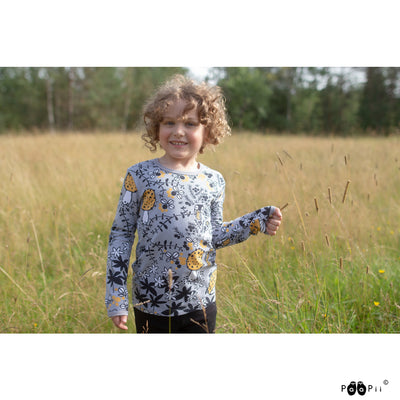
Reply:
x=178, y=217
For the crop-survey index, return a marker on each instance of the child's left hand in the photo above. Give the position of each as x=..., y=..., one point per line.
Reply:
x=274, y=222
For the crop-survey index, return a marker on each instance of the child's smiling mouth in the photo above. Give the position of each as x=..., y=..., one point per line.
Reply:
x=178, y=143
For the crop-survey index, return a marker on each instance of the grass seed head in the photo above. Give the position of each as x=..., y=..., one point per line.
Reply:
x=316, y=204
x=327, y=240
x=170, y=280
x=345, y=191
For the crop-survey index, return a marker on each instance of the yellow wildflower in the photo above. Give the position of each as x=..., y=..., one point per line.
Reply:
x=381, y=271
x=376, y=303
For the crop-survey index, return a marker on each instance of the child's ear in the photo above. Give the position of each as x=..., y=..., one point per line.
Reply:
x=206, y=135
x=206, y=140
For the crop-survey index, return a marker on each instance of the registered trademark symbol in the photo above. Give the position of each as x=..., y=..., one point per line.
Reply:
x=385, y=382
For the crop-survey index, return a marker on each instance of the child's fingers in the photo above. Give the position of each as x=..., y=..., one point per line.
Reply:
x=277, y=214
x=120, y=321
x=272, y=228
x=122, y=325
x=124, y=320
x=274, y=222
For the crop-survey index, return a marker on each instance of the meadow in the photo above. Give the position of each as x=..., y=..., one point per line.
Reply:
x=332, y=268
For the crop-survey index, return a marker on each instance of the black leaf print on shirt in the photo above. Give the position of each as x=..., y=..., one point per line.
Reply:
x=156, y=301
x=184, y=293
x=115, y=278
x=174, y=309
x=141, y=298
x=148, y=287
x=120, y=263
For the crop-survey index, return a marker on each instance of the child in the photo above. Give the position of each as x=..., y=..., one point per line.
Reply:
x=175, y=204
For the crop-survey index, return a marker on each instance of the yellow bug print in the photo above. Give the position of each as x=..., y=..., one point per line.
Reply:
x=130, y=187
x=213, y=280
x=257, y=226
x=194, y=261
x=149, y=199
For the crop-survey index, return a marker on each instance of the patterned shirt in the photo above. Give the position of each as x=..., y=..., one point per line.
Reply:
x=179, y=223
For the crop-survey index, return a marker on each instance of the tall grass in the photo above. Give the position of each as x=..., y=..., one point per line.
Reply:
x=333, y=267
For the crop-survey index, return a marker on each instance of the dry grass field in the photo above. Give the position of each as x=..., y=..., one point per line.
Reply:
x=332, y=268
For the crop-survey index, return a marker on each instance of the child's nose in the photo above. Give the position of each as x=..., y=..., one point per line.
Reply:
x=179, y=129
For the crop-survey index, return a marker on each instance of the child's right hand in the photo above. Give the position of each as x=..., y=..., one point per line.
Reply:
x=274, y=221
x=120, y=321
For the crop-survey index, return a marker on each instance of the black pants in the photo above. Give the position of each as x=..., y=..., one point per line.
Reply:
x=194, y=322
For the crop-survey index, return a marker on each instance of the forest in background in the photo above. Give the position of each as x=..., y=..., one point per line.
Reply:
x=263, y=99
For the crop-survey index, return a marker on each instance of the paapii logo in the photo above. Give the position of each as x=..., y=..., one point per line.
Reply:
x=352, y=388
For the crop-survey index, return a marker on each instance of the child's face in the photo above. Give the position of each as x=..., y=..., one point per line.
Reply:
x=181, y=135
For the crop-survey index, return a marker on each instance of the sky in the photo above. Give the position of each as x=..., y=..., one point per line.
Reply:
x=355, y=76
x=198, y=73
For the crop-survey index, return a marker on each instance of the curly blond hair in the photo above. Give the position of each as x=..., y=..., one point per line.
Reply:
x=206, y=99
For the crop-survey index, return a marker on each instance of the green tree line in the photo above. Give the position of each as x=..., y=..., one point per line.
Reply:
x=292, y=99
x=61, y=99
x=313, y=100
